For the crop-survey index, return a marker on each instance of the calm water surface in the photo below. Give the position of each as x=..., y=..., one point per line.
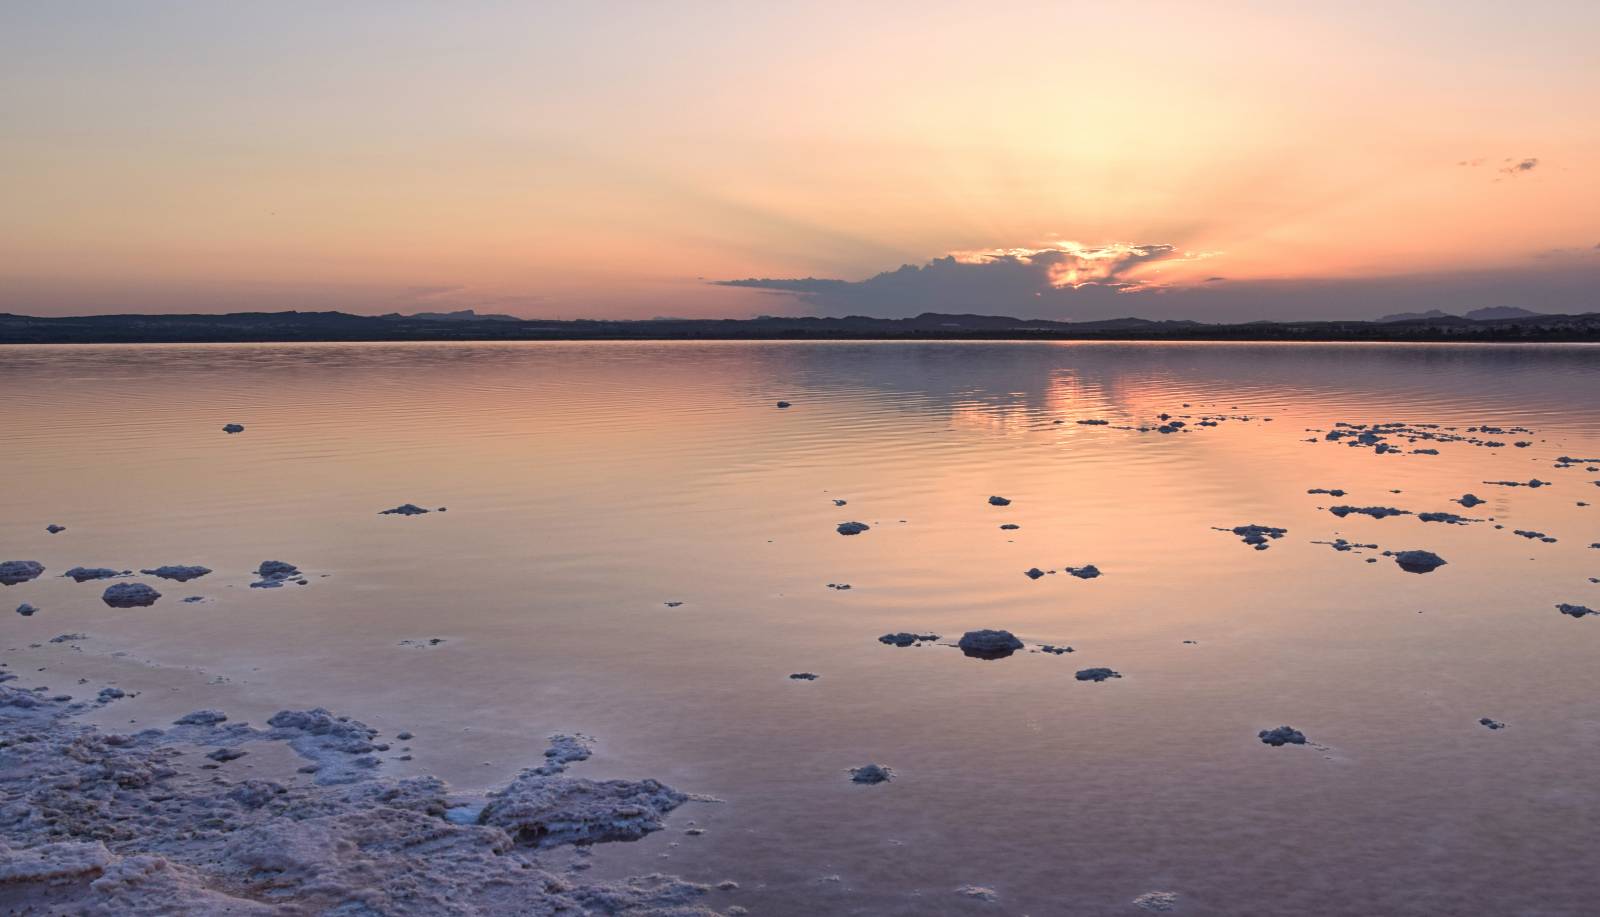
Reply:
x=589, y=484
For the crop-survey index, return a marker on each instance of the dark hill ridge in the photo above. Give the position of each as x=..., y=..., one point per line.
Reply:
x=340, y=326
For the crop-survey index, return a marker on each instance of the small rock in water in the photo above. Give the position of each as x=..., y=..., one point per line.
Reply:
x=871, y=773
x=1492, y=724
x=1088, y=571
x=1416, y=561
x=1576, y=611
x=1470, y=500
x=129, y=595
x=1538, y=536
x=1010, y=527
x=1376, y=512
x=1283, y=735
x=1340, y=544
x=13, y=572
x=989, y=644
x=84, y=574
x=1055, y=650
x=201, y=718
x=68, y=638
x=404, y=509
x=805, y=676
x=672, y=604
x=1157, y=902
x=840, y=502
x=905, y=639
x=233, y=428
x=1256, y=535
x=1033, y=573
x=1332, y=492
x=1093, y=422
x=1447, y=518
x=107, y=695
x=275, y=573
x=178, y=572
x=223, y=755
x=999, y=501
x=979, y=892
x=26, y=610
x=53, y=529
x=1096, y=674
x=853, y=528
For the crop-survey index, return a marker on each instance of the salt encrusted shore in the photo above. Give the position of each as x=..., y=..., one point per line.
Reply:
x=161, y=822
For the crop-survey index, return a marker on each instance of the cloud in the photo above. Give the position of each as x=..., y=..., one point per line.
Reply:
x=1075, y=282
x=1033, y=280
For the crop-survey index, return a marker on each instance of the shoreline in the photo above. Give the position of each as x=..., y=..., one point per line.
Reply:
x=340, y=327
x=206, y=814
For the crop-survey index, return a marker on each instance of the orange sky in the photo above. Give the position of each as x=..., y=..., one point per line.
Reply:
x=608, y=159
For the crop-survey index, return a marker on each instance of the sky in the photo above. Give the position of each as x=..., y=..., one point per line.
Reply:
x=1210, y=161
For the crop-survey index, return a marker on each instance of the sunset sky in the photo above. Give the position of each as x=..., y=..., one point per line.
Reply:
x=1061, y=160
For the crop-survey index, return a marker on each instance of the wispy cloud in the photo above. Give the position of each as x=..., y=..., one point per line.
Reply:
x=1517, y=167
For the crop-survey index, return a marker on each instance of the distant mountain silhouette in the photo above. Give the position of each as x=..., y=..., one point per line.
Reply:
x=1488, y=314
x=1495, y=313
x=468, y=326
x=1429, y=315
x=463, y=315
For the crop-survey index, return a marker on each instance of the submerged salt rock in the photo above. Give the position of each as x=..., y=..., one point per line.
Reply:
x=783, y=404
x=871, y=773
x=404, y=509
x=805, y=676
x=201, y=718
x=26, y=610
x=85, y=574
x=1491, y=724
x=1376, y=512
x=1257, y=535
x=1575, y=611
x=1098, y=673
x=989, y=644
x=564, y=750
x=853, y=528
x=129, y=595
x=543, y=811
x=233, y=428
x=1283, y=735
x=1416, y=561
x=1157, y=902
x=275, y=573
x=907, y=639
x=999, y=501
x=13, y=572
x=1470, y=500
x=180, y=572
x=55, y=529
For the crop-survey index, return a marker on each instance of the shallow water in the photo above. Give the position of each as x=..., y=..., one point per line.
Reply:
x=588, y=484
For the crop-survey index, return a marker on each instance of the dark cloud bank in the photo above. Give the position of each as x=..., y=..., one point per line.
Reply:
x=1114, y=281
